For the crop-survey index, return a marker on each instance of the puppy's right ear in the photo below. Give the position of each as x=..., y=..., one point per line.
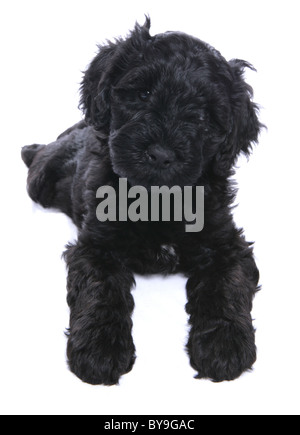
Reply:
x=95, y=89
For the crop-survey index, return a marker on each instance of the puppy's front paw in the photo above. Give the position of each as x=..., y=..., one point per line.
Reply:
x=100, y=359
x=223, y=351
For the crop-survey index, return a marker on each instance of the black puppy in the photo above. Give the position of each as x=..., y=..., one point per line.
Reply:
x=159, y=110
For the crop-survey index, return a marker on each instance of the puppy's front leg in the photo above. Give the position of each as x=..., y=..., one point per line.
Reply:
x=221, y=345
x=100, y=346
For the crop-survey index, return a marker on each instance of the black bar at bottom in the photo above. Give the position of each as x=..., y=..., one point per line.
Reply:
x=140, y=424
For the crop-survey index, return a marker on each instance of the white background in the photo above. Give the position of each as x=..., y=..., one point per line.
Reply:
x=44, y=47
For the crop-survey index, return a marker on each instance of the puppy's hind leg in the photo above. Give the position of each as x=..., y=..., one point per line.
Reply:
x=51, y=171
x=43, y=172
x=29, y=152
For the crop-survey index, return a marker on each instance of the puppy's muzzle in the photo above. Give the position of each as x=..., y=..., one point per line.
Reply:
x=160, y=157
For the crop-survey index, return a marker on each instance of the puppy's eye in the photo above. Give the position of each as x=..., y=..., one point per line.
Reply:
x=144, y=95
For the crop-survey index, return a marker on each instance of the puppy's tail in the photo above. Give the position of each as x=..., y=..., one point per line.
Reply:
x=29, y=152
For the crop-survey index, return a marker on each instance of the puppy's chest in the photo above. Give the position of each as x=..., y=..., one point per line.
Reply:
x=167, y=258
x=162, y=259
x=168, y=251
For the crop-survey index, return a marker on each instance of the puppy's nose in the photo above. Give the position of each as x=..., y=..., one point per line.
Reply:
x=159, y=156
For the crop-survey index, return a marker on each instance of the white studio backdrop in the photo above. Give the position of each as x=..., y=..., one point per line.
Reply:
x=45, y=46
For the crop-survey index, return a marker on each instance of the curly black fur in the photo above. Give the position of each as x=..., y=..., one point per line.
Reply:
x=159, y=110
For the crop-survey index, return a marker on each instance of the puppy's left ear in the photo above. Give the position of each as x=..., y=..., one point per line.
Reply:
x=245, y=125
x=95, y=88
x=103, y=71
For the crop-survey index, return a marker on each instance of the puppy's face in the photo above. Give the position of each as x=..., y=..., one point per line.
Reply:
x=160, y=122
x=171, y=107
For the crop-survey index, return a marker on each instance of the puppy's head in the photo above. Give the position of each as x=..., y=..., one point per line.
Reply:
x=172, y=108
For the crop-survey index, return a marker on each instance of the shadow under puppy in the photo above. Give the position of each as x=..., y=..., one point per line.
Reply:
x=159, y=110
